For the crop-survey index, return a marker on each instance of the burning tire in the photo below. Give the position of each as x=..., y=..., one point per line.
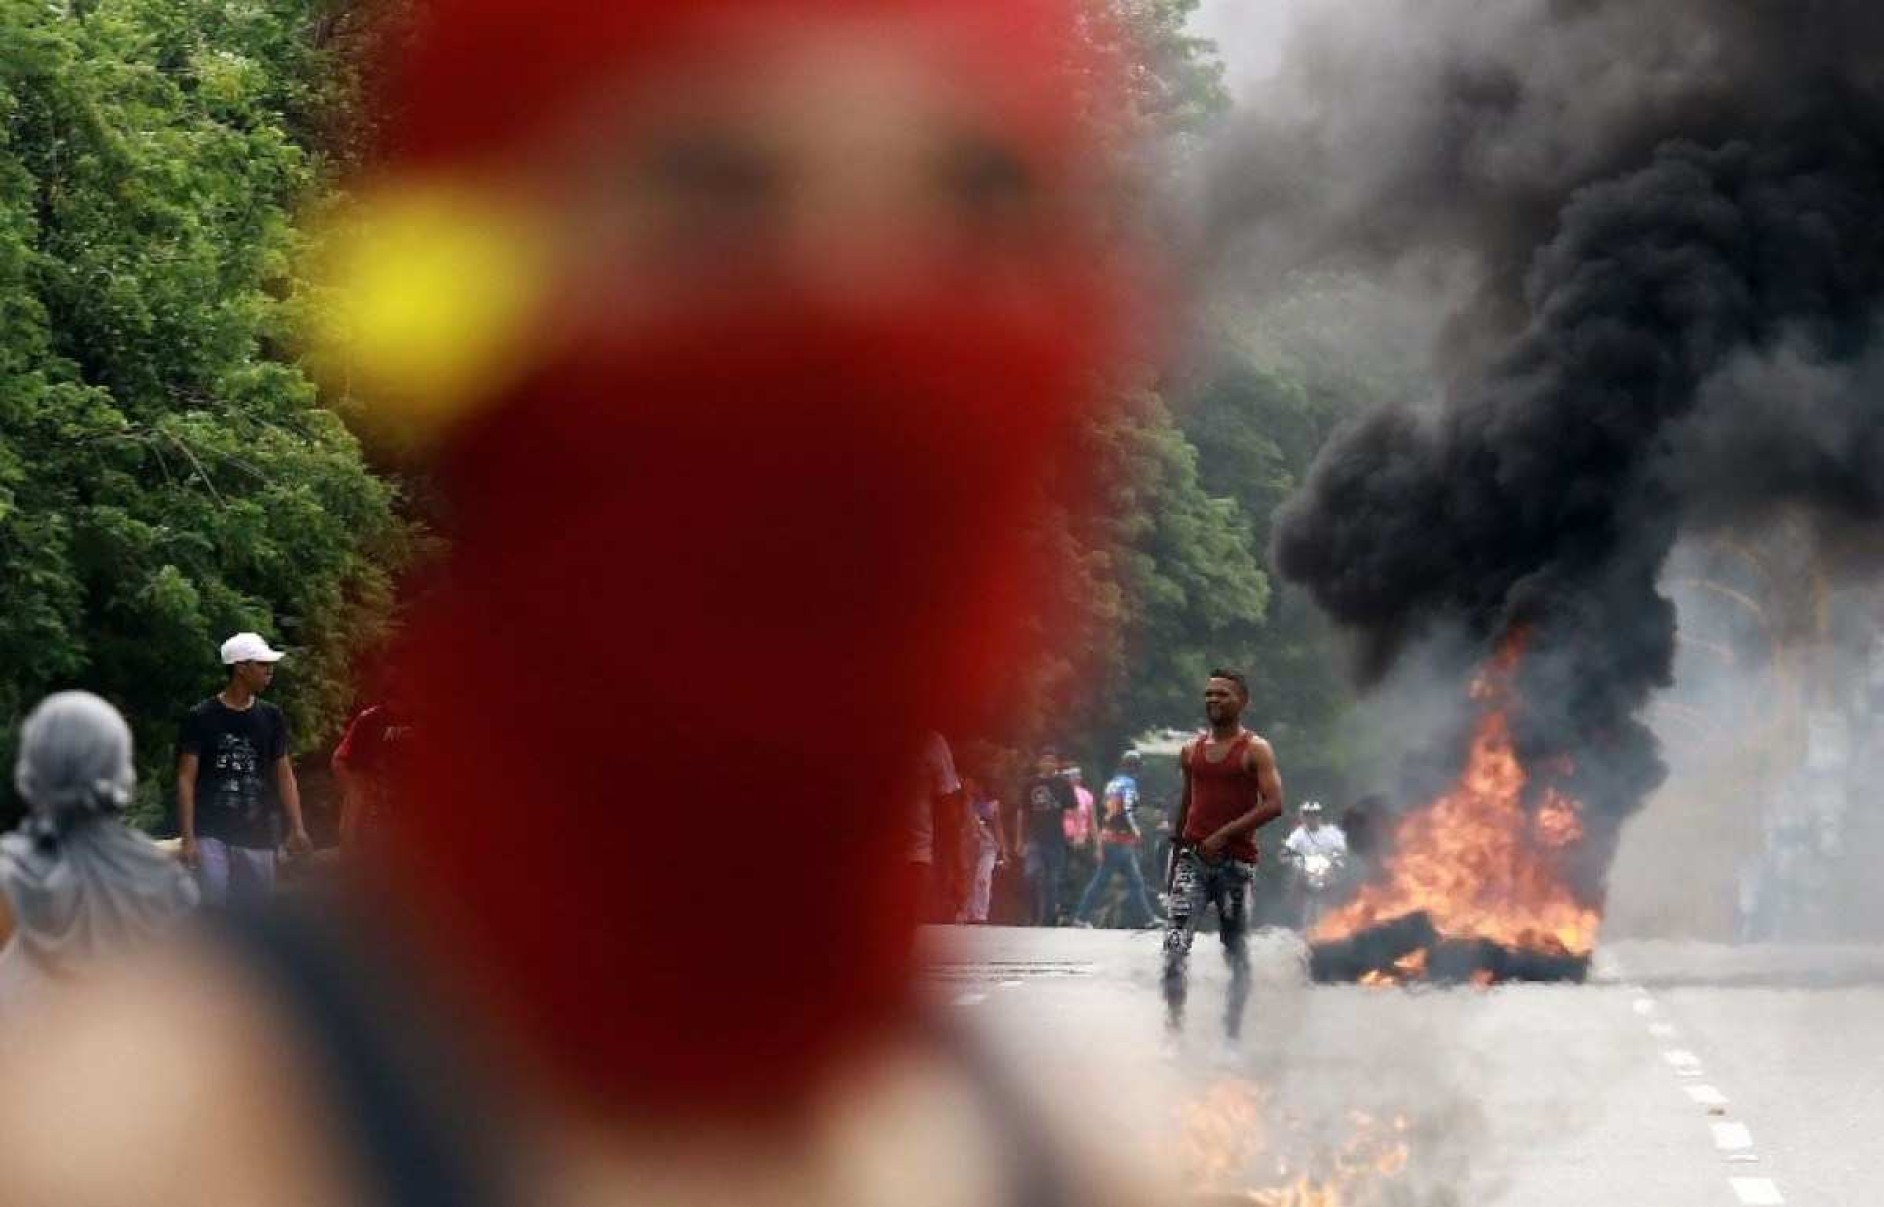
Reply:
x=1410, y=948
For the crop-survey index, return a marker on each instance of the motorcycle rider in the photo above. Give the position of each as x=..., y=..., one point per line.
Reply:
x=1318, y=849
x=1315, y=836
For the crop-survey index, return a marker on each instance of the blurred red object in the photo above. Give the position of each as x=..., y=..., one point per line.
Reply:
x=488, y=79
x=715, y=569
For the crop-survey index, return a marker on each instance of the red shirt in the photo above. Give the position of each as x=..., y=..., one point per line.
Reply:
x=1221, y=792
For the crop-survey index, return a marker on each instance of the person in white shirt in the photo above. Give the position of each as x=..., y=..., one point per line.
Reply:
x=1312, y=836
x=934, y=817
x=1315, y=836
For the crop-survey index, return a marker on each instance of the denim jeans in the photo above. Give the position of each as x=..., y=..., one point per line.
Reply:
x=1197, y=885
x=234, y=876
x=981, y=885
x=1046, y=867
x=1117, y=859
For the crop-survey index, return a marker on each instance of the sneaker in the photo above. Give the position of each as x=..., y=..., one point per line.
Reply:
x=1171, y=1046
x=1081, y=924
x=1228, y=1054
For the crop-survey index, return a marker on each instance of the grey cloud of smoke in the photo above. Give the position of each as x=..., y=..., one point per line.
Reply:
x=1397, y=128
x=1668, y=214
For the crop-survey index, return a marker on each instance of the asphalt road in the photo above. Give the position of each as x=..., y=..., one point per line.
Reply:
x=1681, y=1075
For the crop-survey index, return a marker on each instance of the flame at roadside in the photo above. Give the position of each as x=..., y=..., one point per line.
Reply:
x=1485, y=860
x=1234, y=1152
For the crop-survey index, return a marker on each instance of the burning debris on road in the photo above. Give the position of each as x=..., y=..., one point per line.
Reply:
x=1477, y=884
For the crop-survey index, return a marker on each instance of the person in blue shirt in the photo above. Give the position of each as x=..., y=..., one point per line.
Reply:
x=1119, y=840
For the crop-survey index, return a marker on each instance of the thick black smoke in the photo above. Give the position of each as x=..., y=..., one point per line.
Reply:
x=1680, y=287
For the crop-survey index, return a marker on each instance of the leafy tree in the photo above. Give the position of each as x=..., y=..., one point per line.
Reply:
x=1283, y=377
x=167, y=476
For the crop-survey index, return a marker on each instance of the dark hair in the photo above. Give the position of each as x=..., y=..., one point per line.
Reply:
x=1236, y=677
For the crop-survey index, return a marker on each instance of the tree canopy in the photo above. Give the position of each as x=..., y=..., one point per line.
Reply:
x=167, y=474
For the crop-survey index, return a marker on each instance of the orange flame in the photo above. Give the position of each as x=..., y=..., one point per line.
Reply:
x=1477, y=860
x=1231, y=1154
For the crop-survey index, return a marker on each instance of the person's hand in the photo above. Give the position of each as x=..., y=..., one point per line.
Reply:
x=1213, y=846
x=299, y=843
x=187, y=853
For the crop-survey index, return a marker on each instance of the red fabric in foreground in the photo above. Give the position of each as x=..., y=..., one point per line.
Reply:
x=702, y=604
x=484, y=78
x=706, y=591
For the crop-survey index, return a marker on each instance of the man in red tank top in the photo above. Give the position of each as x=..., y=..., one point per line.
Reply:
x=1231, y=789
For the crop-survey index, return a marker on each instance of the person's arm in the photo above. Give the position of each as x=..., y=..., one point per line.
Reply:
x=298, y=841
x=350, y=804
x=288, y=790
x=1000, y=833
x=351, y=785
x=186, y=807
x=1183, y=815
x=1261, y=763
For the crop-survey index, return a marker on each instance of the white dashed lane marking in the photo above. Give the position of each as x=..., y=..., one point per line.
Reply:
x=1733, y=1140
x=1756, y=1192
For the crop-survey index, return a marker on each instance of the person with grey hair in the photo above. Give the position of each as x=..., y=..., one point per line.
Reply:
x=77, y=883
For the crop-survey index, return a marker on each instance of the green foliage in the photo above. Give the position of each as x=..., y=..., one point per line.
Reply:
x=1285, y=375
x=1178, y=88
x=167, y=476
x=1174, y=580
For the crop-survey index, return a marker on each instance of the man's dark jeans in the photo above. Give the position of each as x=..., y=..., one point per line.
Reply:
x=1200, y=883
x=1117, y=859
x=1046, y=867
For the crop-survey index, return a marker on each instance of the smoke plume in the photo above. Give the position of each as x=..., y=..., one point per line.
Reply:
x=1671, y=216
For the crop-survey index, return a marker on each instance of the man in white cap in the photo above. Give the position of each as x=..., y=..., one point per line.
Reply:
x=235, y=783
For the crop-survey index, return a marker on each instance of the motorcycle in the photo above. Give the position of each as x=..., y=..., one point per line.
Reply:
x=1318, y=875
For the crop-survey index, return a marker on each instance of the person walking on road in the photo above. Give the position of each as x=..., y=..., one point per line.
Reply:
x=1231, y=788
x=1119, y=840
x=934, y=848
x=76, y=883
x=235, y=784
x=1046, y=798
x=991, y=848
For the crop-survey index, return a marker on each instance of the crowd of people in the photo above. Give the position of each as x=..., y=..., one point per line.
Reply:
x=1061, y=856
x=1045, y=860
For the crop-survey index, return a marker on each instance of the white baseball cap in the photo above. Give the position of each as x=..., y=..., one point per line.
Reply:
x=248, y=647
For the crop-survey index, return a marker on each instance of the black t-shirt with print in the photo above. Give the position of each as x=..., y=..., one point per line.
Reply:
x=236, y=752
x=1046, y=798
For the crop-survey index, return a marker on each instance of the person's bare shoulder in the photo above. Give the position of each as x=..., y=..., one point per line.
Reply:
x=1259, y=753
x=164, y=1081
